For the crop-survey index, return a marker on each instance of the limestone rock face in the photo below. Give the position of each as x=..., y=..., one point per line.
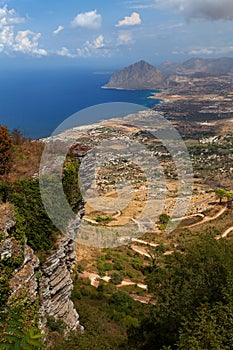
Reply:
x=25, y=278
x=51, y=282
x=6, y=249
x=56, y=285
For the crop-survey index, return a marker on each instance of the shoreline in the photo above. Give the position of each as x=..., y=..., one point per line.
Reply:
x=125, y=89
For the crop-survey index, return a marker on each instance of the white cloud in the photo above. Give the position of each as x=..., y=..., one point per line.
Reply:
x=93, y=48
x=26, y=42
x=137, y=4
x=58, y=30
x=90, y=20
x=124, y=38
x=205, y=9
x=7, y=36
x=211, y=51
x=65, y=52
x=9, y=17
x=132, y=20
x=23, y=41
x=203, y=51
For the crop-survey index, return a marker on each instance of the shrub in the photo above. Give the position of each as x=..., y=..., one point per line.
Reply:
x=116, y=278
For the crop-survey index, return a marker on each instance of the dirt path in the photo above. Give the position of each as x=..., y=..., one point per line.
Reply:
x=144, y=242
x=95, y=279
x=225, y=233
x=189, y=217
x=143, y=300
x=140, y=251
x=208, y=218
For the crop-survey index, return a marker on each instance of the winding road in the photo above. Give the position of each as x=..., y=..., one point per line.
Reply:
x=207, y=218
x=95, y=278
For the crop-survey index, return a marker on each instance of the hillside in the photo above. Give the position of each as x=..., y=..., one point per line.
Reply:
x=156, y=289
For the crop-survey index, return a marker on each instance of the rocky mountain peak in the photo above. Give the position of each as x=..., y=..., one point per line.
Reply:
x=139, y=76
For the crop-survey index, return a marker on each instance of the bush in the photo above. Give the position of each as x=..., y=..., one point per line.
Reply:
x=103, y=219
x=55, y=325
x=164, y=218
x=116, y=278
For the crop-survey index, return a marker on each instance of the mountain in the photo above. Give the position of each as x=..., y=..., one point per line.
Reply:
x=142, y=75
x=169, y=68
x=139, y=76
x=194, y=66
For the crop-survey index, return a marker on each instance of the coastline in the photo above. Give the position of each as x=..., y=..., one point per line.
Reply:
x=167, y=98
x=125, y=89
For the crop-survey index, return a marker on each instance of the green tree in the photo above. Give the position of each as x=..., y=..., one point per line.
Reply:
x=211, y=328
x=181, y=284
x=164, y=218
x=71, y=183
x=31, y=217
x=116, y=278
x=220, y=193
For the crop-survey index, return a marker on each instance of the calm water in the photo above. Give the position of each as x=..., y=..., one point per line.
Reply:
x=37, y=101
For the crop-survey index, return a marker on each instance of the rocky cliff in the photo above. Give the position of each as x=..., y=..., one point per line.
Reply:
x=49, y=285
x=56, y=284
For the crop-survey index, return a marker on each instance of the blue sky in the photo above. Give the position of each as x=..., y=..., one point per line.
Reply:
x=113, y=33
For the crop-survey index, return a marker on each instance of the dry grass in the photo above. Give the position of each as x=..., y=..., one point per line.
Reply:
x=26, y=161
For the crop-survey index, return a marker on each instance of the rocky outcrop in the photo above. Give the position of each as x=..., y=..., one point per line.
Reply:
x=56, y=285
x=26, y=277
x=6, y=249
x=50, y=283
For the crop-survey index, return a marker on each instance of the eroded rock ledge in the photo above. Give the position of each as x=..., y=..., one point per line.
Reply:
x=56, y=285
x=49, y=283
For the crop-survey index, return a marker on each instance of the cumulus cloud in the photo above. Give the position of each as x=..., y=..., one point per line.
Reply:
x=211, y=51
x=205, y=9
x=124, y=38
x=26, y=42
x=65, y=52
x=204, y=51
x=9, y=17
x=93, y=48
x=90, y=20
x=132, y=20
x=7, y=37
x=58, y=30
x=22, y=41
x=139, y=4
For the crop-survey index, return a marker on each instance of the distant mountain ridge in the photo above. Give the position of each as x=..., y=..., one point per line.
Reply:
x=142, y=75
x=217, y=66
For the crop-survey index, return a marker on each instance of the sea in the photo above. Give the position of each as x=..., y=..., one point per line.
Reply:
x=36, y=101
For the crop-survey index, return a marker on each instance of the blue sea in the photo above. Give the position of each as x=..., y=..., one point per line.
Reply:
x=36, y=101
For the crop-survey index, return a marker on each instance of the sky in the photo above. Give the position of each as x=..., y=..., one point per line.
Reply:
x=113, y=33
